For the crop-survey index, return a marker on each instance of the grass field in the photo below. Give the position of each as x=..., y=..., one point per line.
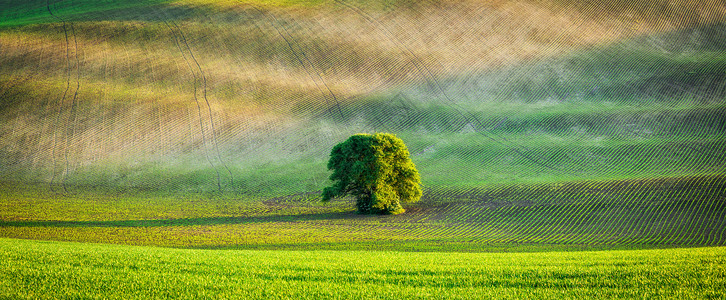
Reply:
x=66, y=270
x=616, y=214
x=177, y=148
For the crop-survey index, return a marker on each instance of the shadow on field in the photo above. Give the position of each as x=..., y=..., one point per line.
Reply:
x=184, y=222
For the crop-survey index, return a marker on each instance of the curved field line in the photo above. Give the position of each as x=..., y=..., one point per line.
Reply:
x=606, y=207
x=431, y=79
x=61, y=103
x=563, y=227
x=657, y=226
x=290, y=41
x=542, y=223
x=566, y=209
x=722, y=226
x=639, y=225
x=504, y=233
x=665, y=216
x=621, y=212
x=709, y=213
x=572, y=209
x=687, y=231
x=598, y=229
x=677, y=221
x=495, y=220
x=628, y=232
x=587, y=201
x=508, y=224
x=530, y=222
x=206, y=100
x=537, y=218
x=539, y=212
x=490, y=217
x=74, y=109
x=652, y=233
x=196, y=100
x=582, y=224
x=705, y=222
x=520, y=220
x=715, y=198
x=695, y=210
x=685, y=209
x=544, y=226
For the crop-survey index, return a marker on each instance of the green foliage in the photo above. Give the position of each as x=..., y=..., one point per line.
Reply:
x=377, y=170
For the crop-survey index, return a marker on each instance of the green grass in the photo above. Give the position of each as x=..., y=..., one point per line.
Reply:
x=615, y=214
x=588, y=137
x=14, y=13
x=18, y=13
x=30, y=270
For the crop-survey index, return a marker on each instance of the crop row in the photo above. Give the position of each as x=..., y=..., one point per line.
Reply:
x=238, y=98
x=665, y=211
x=687, y=211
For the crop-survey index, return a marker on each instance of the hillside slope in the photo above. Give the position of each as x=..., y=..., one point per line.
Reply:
x=244, y=97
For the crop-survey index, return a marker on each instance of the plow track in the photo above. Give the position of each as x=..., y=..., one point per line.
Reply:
x=531, y=122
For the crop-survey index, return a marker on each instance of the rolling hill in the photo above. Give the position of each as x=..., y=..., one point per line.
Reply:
x=532, y=122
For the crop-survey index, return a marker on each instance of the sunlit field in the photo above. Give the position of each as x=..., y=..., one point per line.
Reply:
x=178, y=148
x=615, y=214
x=65, y=270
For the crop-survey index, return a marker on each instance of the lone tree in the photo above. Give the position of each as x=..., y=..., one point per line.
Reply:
x=377, y=170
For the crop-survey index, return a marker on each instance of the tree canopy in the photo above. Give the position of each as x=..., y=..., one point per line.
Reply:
x=377, y=170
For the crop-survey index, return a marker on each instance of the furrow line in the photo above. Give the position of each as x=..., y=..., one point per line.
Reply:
x=196, y=101
x=209, y=107
x=61, y=103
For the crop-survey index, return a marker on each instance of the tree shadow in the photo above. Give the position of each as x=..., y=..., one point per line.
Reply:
x=209, y=221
